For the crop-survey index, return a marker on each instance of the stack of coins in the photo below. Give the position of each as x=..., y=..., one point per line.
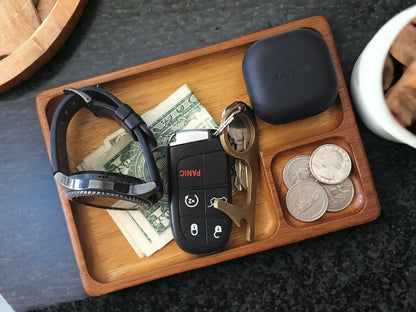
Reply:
x=318, y=183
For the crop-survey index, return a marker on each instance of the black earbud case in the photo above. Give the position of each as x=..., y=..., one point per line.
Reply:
x=290, y=76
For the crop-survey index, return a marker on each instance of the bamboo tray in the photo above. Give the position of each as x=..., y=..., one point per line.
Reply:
x=31, y=37
x=105, y=259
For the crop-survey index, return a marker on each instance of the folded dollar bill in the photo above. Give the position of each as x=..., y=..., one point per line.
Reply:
x=149, y=230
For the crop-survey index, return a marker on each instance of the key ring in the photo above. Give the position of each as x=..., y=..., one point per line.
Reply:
x=239, y=114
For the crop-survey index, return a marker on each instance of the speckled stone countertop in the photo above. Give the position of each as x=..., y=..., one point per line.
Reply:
x=366, y=268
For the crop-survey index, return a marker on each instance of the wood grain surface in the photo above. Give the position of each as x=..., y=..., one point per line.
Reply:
x=105, y=259
x=31, y=35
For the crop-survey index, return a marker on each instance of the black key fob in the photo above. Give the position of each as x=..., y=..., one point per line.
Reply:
x=199, y=173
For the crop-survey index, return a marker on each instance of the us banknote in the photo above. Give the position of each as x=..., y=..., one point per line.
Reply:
x=149, y=230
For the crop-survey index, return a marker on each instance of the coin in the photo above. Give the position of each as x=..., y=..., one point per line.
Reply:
x=307, y=201
x=339, y=195
x=330, y=164
x=297, y=170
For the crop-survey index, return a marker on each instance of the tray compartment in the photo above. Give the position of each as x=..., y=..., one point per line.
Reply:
x=279, y=161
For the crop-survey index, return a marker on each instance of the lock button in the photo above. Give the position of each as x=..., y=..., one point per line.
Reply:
x=194, y=229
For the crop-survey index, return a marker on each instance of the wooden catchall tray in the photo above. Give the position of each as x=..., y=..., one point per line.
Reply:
x=105, y=259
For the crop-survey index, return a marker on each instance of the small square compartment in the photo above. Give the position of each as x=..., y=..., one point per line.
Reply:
x=280, y=160
x=363, y=208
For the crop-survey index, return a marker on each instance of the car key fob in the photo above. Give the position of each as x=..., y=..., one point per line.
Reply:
x=199, y=173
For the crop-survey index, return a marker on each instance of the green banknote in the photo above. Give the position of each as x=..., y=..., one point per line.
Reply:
x=149, y=230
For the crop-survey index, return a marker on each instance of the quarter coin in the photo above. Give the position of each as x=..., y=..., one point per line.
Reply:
x=339, y=195
x=297, y=170
x=306, y=201
x=330, y=164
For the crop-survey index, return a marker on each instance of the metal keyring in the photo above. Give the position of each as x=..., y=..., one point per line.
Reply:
x=249, y=157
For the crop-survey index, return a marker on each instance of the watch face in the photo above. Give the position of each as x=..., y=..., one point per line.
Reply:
x=107, y=190
x=99, y=201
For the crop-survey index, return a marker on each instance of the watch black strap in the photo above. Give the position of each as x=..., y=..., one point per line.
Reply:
x=102, y=104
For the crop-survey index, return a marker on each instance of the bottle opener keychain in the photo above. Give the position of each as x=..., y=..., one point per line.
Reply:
x=239, y=138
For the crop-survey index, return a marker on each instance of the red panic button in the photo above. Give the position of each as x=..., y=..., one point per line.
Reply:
x=190, y=172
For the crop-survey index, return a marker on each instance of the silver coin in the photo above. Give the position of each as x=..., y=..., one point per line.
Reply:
x=330, y=164
x=297, y=170
x=339, y=195
x=306, y=201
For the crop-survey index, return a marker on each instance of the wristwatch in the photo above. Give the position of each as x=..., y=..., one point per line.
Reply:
x=99, y=188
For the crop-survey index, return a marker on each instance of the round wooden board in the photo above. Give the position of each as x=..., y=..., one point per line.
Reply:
x=27, y=46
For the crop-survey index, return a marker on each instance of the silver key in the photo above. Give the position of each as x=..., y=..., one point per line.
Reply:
x=238, y=118
x=239, y=138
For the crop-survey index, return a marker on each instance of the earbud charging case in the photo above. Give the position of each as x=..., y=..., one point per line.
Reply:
x=290, y=76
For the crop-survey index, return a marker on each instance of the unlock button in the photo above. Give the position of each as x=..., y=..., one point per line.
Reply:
x=218, y=229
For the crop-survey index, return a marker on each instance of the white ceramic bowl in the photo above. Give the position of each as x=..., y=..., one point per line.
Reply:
x=366, y=82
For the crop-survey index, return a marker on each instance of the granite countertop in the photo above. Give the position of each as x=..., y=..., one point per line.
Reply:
x=366, y=268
